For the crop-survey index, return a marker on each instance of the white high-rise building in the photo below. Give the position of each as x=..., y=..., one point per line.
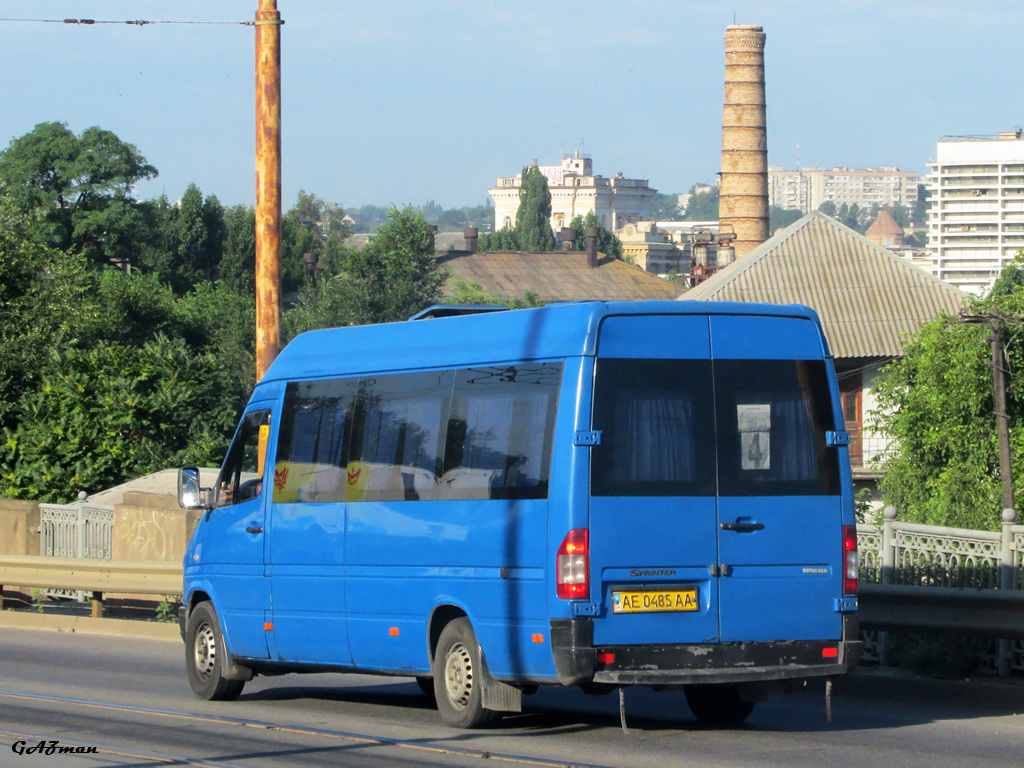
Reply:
x=976, y=211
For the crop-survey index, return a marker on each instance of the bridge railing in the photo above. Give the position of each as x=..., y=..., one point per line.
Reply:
x=923, y=578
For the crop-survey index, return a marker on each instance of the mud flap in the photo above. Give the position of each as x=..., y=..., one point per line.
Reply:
x=501, y=697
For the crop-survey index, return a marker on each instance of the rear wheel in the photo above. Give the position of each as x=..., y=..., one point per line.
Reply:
x=206, y=656
x=458, y=677
x=718, y=704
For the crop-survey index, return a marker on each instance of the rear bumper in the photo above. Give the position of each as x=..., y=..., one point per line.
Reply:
x=576, y=659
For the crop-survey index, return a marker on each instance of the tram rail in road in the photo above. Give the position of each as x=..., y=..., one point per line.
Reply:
x=128, y=697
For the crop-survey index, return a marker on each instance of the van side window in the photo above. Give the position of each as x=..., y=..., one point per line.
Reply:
x=656, y=419
x=478, y=433
x=772, y=419
x=241, y=477
x=398, y=435
x=499, y=436
x=312, y=449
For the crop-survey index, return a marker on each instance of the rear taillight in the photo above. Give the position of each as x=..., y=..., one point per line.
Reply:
x=851, y=560
x=573, y=565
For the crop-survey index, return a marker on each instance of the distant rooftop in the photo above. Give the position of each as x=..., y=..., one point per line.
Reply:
x=1015, y=134
x=555, y=276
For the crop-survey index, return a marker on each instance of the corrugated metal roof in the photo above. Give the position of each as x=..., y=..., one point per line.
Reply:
x=556, y=276
x=868, y=298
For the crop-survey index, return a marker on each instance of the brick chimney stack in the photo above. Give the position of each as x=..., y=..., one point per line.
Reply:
x=471, y=234
x=743, y=201
x=591, y=247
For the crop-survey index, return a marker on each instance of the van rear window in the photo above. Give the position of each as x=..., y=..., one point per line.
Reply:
x=697, y=428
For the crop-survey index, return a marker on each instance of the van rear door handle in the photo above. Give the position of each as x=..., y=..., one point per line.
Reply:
x=743, y=527
x=254, y=529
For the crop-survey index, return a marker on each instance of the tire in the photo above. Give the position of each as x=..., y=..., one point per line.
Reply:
x=459, y=674
x=206, y=656
x=718, y=704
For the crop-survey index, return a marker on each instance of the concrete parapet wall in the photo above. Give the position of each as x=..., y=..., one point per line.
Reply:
x=19, y=535
x=150, y=526
x=19, y=527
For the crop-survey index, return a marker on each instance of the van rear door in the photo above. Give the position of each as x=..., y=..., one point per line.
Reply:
x=715, y=513
x=779, y=509
x=653, y=521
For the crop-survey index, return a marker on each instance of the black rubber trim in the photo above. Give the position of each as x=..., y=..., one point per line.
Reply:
x=572, y=645
x=725, y=662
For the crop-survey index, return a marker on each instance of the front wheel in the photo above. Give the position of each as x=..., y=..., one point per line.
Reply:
x=458, y=677
x=206, y=656
x=718, y=704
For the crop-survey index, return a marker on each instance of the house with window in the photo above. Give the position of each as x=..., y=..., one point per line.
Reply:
x=869, y=301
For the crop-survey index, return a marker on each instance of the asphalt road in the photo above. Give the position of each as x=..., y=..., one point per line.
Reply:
x=129, y=699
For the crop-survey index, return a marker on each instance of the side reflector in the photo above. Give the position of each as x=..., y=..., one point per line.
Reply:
x=267, y=626
x=606, y=658
x=538, y=638
x=393, y=631
x=830, y=653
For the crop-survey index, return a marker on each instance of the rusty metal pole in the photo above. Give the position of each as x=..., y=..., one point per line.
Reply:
x=1002, y=418
x=268, y=185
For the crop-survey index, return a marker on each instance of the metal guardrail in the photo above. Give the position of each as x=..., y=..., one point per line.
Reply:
x=899, y=608
x=942, y=610
x=95, y=576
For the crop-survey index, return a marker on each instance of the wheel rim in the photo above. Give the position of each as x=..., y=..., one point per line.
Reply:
x=204, y=651
x=458, y=675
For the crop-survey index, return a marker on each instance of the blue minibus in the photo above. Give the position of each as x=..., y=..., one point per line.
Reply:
x=594, y=494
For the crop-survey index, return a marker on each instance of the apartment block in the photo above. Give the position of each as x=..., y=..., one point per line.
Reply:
x=807, y=188
x=976, y=211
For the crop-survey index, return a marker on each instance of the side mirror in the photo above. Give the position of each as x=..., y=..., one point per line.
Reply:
x=190, y=494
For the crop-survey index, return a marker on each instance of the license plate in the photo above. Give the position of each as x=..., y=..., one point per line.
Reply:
x=655, y=601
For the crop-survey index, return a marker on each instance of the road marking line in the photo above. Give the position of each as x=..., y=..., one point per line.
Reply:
x=104, y=751
x=362, y=739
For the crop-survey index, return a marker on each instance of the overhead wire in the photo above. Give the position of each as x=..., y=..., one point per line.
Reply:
x=132, y=22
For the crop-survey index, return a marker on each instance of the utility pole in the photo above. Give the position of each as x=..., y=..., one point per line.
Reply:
x=1002, y=418
x=268, y=185
x=995, y=324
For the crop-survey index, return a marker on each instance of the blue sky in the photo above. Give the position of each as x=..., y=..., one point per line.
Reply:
x=405, y=101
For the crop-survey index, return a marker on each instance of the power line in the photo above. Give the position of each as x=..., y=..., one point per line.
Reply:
x=132, y=22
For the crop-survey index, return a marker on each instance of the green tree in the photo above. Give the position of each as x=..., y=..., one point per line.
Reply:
x=107, y=413
x=311, y=226
x=607, y=243
x=533, y=219
x=936, y=404
x=780, y=218
x=828, y=208
x=702, y=206
x=853, y=217
x=81, y=186
x=919, y=215
x=392, y=278
x=237, y=268
x=665, y=208
x=502, y=241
